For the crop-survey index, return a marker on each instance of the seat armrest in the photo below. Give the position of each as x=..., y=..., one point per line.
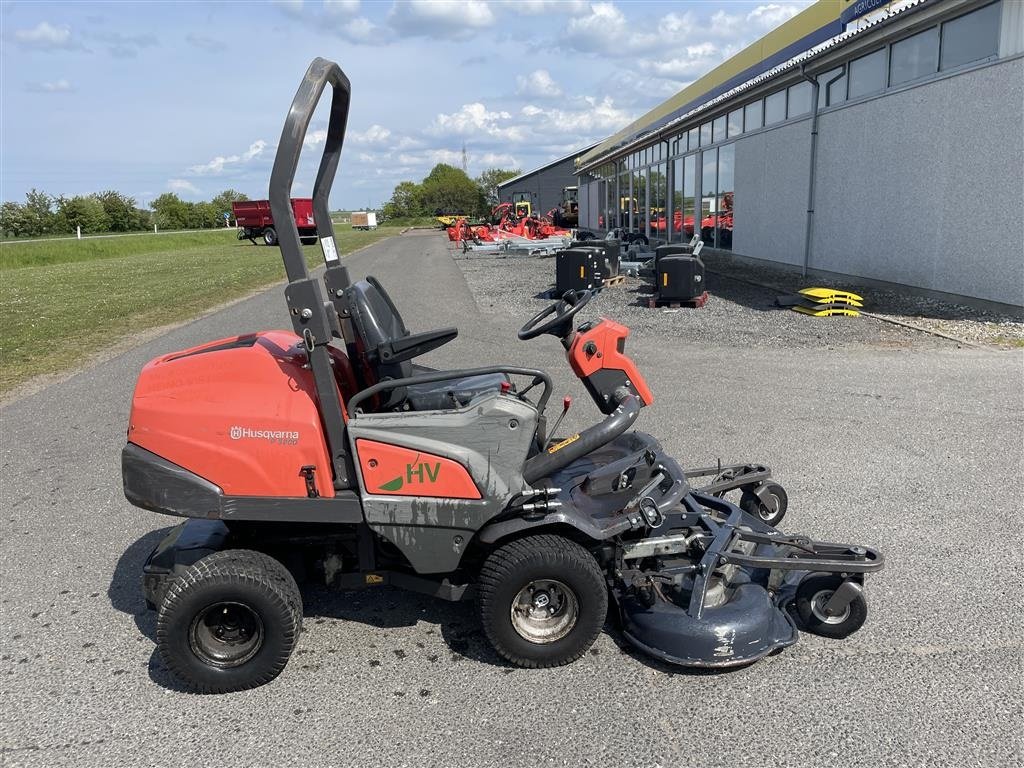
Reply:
x=414, y=345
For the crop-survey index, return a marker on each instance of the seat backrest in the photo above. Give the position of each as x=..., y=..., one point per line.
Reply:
x=376, y=320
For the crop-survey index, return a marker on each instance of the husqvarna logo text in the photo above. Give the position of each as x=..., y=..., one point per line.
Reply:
x=282, y=437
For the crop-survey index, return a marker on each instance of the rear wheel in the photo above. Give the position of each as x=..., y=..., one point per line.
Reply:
x=543, y=601
x=229, y=622
x=770, y=508
x=813, y=595
x=270, y=236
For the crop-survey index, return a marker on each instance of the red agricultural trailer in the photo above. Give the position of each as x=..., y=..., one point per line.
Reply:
x=254, y=220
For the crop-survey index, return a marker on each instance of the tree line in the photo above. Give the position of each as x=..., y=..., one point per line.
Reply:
x=110, y=211
x=447, y=189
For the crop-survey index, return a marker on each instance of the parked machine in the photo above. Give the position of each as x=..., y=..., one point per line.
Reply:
x=255, y=220
x=579, y=269
x=291, y=456
x=678, y=274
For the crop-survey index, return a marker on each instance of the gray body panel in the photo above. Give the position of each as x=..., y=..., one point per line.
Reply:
x=433, y=532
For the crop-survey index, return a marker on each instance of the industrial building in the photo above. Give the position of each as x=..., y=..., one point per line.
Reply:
x=543, y=188
x=882, y=141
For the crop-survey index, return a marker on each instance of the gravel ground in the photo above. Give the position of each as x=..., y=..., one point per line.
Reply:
x=740, y=312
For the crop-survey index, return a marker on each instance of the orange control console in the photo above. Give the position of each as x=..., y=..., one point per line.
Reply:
x=597, y=355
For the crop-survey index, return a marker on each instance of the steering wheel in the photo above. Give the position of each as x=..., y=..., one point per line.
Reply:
x=561, y=324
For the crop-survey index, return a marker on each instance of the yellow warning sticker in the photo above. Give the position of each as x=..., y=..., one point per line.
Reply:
x=563, y=443
x=374, y=578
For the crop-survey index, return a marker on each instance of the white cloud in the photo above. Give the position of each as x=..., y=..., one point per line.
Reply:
x=182, y=185
x=591, y=116
x=217, y=165
x=538, y=84
x=293, y=8
x=554, y=7
x=46, y=36
x=315, y=138
x=452, y=19
x=209, y=44
x=56, y=86
x=125, y=45
x=475, y=119
x=375, y=134
x=359, y=30
x=341, y=7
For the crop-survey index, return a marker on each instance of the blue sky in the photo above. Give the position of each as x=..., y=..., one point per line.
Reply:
x=190, y=97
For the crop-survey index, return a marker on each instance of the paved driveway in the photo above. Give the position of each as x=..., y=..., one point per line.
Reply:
x=915, y=450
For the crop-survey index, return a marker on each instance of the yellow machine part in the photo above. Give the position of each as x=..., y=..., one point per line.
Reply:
x=826, y=312
x=831, y=294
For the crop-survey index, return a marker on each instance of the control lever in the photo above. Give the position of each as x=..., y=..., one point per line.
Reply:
x=566, y=404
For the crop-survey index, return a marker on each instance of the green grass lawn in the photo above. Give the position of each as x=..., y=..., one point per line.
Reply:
x=66, y=300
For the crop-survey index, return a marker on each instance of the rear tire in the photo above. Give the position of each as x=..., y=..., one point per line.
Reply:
x=270, y=236
x=229, y=622
x=543, y=601
x=811, y=596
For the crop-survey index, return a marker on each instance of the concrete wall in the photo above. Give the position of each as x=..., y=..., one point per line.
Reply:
x=772, y=171
x=922, y=187
x=545, y=186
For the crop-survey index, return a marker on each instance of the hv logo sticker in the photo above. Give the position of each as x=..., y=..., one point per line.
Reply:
x=420, y=473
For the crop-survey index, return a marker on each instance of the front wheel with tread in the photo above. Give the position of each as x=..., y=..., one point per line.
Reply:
x=270, y=236
x=543, y=601
x=229, y=622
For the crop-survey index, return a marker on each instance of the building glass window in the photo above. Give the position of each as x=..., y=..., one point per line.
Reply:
x=867, y=74
x=735, y=123
x=775, y=108
x=705, y=134
x=800, y=99
x=972, y=37
x=682, y=198
x=624, y=198
x=610, y=204
x=726, y=195
x=708, y=196
x=718, y=130
x=657, y=215
x=638, y=200
x=751, y=116
x=830, y=95
x=914, y=57
x=694, y=140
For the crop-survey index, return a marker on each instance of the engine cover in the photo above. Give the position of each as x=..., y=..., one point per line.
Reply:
x=239, y=412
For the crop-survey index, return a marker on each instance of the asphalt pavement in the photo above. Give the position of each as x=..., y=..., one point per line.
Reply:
x=915, y=449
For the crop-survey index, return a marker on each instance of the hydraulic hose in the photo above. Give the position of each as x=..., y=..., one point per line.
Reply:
x=618, y=421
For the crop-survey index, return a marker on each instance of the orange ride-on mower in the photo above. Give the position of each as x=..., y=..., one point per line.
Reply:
x=327, y=453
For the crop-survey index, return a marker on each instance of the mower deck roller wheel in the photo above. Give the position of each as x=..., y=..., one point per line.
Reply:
x=812, y=597
x=229, y=622
x=543, y=601
x=769, y=508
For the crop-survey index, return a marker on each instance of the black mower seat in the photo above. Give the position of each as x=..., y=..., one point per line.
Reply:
x=384, y=349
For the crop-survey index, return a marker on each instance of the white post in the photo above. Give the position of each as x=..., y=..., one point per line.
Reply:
x=154, y=227
x=78, y=229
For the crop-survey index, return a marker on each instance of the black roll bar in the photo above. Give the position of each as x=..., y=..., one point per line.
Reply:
x=312, y=318
x=286, y=163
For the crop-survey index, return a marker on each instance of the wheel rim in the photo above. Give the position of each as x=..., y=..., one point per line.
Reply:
x=818, y=603
x=544, y=611
x=226, y=634
x=767, y=511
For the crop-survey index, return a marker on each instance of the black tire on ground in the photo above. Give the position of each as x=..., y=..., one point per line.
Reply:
x=311, y=240
x=561, y=595
x=772, y=510
x=229, y=622
x=812, y=594
x=270, y=236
